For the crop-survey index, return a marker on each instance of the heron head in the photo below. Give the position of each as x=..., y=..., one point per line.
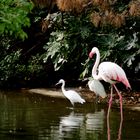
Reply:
x=60, y=81
x=93, y=51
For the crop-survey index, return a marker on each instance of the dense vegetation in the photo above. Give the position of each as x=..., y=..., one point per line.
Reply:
x=44, y=40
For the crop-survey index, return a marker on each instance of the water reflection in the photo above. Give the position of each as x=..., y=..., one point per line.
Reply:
x=95, y=121
x=91, y=122
x=108, y=125
x=108, y=115
x=70, y=123
x=29, y=116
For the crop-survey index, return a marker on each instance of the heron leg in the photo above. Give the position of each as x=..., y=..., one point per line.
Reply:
x=120, y=96
x=96, y=99
x=72, y=103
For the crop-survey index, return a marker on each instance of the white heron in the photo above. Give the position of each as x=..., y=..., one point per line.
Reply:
x=97, y=87
x=71, y=95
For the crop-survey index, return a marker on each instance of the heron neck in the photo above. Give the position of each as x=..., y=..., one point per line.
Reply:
x=94, y=69
x=63, y=87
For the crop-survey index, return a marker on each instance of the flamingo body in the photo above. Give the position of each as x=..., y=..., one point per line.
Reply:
x=112, y=73
x=71, y=95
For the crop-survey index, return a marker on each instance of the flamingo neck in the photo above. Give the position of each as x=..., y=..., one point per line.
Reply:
x=94, y=69
x=63, y=87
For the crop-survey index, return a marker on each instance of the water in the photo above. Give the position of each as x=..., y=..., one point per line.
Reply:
x=25, y=116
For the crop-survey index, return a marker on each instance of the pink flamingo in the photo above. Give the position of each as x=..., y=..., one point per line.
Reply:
x=111, y=73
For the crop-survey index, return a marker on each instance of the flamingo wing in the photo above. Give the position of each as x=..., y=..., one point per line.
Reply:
x=112, y=73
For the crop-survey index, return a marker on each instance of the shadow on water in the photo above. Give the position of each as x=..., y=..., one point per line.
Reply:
x=36, y=117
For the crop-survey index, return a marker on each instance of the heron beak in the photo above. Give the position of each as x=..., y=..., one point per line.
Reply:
x=57, y=84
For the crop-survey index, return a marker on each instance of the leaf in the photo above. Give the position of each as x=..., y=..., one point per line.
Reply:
x=14, y=17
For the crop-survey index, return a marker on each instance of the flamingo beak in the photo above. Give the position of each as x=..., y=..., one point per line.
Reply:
x=91, y=54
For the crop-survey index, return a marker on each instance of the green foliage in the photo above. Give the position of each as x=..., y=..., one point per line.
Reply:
x=73, y=37
x=13, y=66
x=56, y=48
x=68, y=43
x=122, y=49
x=34, y=65
x=8, y=61
x=14, y=17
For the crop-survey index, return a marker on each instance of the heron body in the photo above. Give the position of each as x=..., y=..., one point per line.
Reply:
x=97, y=87
x=71, y=95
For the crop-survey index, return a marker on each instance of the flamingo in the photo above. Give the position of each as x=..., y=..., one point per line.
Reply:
x=71, y=95
x=109, y=72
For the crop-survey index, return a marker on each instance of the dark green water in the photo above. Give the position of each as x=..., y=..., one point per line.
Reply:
x=34, y=117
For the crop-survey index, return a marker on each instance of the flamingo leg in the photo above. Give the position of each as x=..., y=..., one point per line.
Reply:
x=110, y=103
x=120, y=96
x=121, y=110
x=120, y=130
x=110, y=100
x=108, y=128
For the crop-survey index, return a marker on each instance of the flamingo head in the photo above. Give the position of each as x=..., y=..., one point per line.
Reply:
x=93, y=51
